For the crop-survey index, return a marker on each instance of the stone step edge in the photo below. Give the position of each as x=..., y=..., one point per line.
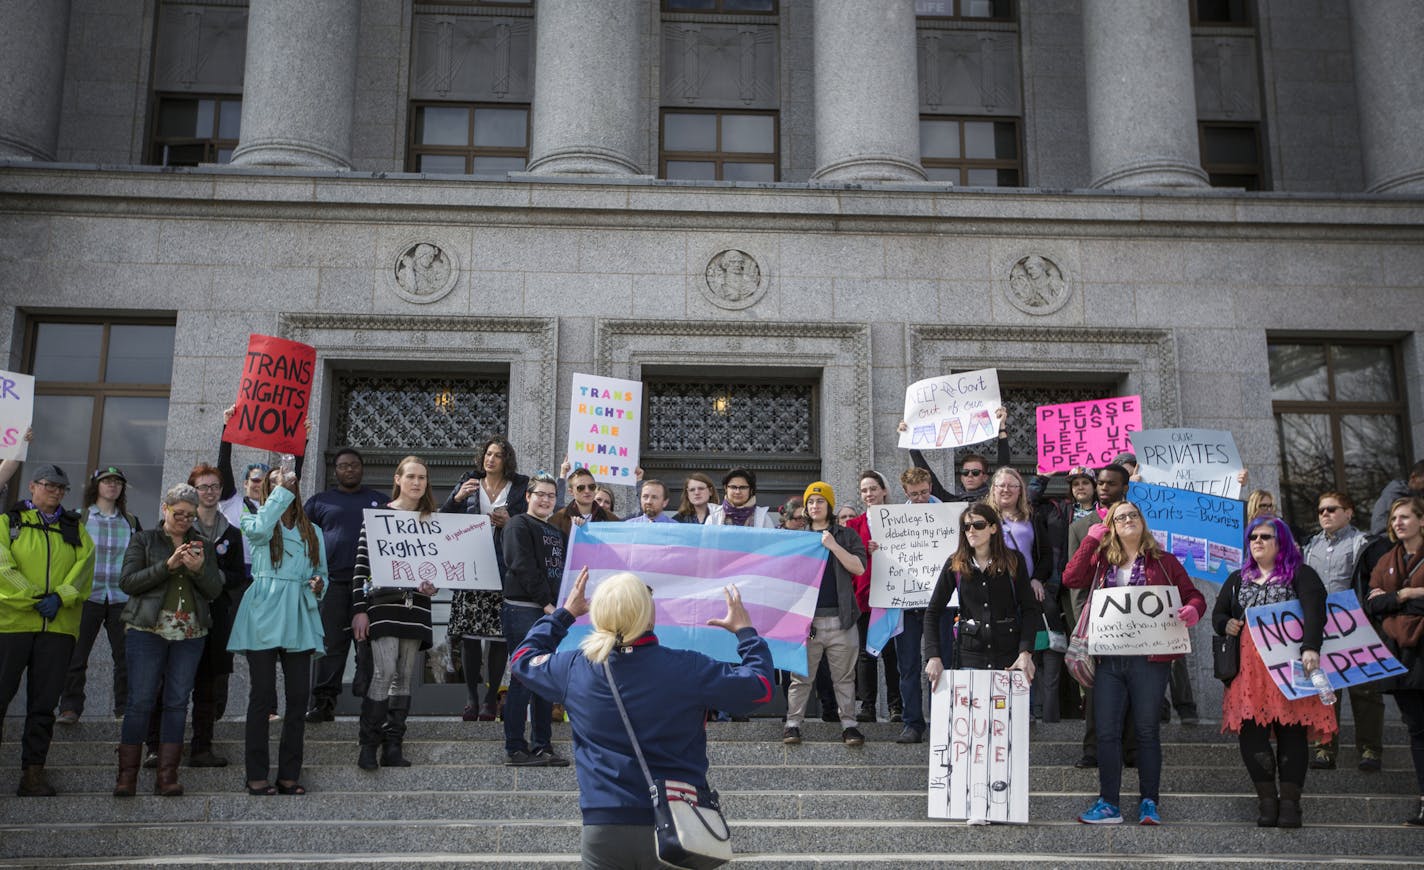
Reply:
x=341, y=794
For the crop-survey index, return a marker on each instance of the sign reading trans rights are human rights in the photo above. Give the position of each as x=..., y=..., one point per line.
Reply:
x=605, y=427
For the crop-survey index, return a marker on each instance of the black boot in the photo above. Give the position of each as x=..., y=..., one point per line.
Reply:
x=1269, y=803
x=395, y=732
x=1290, y=805
x=373, y=718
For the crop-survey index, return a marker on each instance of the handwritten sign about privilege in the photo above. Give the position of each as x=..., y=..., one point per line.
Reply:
x=1137, y=621
x=915, y=541
x=1201, y=460
x=605, y=427
x=979, y=746
x=1203, y=531
x=1085, y=433
x=1351, y=653
x=453, y=551
x=272, y=395
x=17, y=413
x=952, y=410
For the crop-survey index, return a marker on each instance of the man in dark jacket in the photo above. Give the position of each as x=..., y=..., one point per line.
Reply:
x=534, y=567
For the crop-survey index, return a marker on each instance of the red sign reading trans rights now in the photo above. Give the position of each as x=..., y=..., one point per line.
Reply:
x=272, y=396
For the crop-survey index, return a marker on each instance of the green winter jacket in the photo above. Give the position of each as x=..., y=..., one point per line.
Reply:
x=38, y=561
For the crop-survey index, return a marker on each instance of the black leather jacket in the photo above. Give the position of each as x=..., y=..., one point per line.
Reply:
x=146, y=574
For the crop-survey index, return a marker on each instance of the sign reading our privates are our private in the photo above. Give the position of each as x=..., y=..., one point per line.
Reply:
x=1088, y=433
x=605, y=427
x=452, y=551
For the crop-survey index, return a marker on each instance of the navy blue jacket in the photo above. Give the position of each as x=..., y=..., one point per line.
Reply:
x=667, y=693
x=341, y=516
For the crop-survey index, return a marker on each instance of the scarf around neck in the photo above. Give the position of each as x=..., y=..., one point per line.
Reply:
x=739, y=516
x=1405, y=628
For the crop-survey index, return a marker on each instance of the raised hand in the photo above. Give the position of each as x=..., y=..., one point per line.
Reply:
x=736, y=618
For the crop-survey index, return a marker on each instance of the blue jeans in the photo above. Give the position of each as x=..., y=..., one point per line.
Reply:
x=912, y=667
x=516, y=622
x=153, y=660
x=1121, y=681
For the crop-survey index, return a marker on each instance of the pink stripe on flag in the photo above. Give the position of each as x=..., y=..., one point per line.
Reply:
x=771, y=622
x=694, y=561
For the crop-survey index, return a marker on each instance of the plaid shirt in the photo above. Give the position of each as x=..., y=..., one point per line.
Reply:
x=111, y=539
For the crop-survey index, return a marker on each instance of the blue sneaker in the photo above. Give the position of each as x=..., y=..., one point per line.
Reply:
x=1101, y=813
x=1147, y=813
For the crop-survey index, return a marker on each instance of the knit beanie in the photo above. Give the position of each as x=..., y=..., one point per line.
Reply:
x=822, y=489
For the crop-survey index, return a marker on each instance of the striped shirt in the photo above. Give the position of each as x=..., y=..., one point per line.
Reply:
x=407, y=616
x=111, y=538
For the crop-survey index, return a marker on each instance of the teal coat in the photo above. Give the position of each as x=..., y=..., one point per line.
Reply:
x=278, y=610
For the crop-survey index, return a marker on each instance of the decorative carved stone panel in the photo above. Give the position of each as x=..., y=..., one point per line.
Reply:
x=200, y=48
x=734, y=280
x=1227, y=85
x=720, y=65
x=1036, y=284
x=474, y=58
x=423, y=271
x=968, y=72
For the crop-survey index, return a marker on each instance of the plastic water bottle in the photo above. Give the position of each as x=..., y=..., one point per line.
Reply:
x=1322, y=686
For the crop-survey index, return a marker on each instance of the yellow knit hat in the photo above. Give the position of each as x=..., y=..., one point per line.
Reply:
x=822, y=489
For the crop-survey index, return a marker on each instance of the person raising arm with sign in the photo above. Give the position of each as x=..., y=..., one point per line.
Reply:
x=396, y=621
x=1121, y=551
x=1397, y=597
x=1254, y=707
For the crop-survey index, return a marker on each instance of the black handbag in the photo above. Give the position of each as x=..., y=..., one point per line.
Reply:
x=1226, y=656
x=689, y=830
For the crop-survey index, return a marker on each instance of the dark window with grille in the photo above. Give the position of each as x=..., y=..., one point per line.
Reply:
x=1217, y=13
x=1340, y=411
x=767, y=425
x=468, y=138
x=971, y=152
x=189, y=130
x=726, y=7
x=720, y=146
x=1231, y=154
x=974, y=10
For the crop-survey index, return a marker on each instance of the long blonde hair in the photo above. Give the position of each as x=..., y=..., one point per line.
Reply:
x=621, y=610
x=1114, y=553
x=1022, y=508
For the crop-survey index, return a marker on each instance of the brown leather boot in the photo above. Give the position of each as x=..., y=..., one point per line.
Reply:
x=34, y=783
x=130, y=757
x=169, y=754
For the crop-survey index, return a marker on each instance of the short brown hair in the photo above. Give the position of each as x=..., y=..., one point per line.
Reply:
x=1345, y=501
x=202, y=469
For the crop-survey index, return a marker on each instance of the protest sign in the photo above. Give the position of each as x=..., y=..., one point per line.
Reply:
x=1088, y=433
x=605, y=427
x=1203, y=531
x=1201, y=460
x=272, y=395
x=915, y=540
x=453, y=551
x=1137, y=621
x=951, y=410
x=17, y=412
x=688, y=565
x=1351, y=654
x=979, y=746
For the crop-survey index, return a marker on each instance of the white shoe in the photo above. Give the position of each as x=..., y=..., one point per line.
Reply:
x=976, y=822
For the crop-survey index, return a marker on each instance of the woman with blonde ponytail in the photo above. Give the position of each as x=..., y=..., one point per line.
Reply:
x=667, y=693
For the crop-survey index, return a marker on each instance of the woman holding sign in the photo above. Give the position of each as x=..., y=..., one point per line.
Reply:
x=1121, y=551
x=279, y=621
x=1397, y=598
x=1254, y=707
x=397, y=622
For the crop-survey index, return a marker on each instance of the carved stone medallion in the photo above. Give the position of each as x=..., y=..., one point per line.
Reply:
x=1037, y=285
x=424, y=272
x=734, y=280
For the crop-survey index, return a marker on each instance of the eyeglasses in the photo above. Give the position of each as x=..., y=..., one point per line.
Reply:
x=978, y=525
x=1328, y=509
x=542, y=493
x=53, y=487
x=1007, y=487
x=971, y=472
x=1124, y=519
x=254, y=480
x=798, y=518
x=738, y=486
x=209, y=487
x=181, y=516
x=585, y=487
x=1261, y=536
x=346, y=466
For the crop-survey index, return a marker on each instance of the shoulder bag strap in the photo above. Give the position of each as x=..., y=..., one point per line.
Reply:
x=632, y=738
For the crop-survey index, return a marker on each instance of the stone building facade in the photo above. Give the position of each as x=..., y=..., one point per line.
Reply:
x=777, y=213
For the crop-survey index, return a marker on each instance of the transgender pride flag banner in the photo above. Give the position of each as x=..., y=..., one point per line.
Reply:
x=777, y=571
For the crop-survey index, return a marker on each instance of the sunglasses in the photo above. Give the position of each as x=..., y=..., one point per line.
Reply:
x=1261, y=536
x=585, y=487
x=971, y=472
x=978, y=525
x=1328, y=509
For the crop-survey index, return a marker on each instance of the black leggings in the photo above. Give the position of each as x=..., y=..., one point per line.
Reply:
x=471, y=659
x=296, y=675
x=1289, y=756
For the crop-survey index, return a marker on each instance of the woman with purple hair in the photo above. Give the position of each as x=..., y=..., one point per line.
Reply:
x=1254, y=707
